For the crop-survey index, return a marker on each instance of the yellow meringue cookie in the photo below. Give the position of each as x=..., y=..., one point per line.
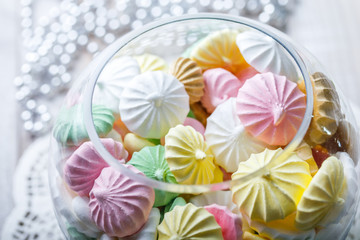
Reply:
x=189, y=158
x=276, y=192
x=326, y=113
x=134, y=143
x=324, y=199
x=304, y=152
x=189, y=222
x=150, y=62
x=189, y=73
x=219, y=50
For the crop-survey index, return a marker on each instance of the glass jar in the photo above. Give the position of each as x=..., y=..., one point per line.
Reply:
x=204, y=126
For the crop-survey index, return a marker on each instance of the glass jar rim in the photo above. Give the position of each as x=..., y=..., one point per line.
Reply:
x=106, y=55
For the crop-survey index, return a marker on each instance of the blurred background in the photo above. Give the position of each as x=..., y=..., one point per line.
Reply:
x=329, y=29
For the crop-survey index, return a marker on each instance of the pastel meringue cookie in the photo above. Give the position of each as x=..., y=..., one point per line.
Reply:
x=195, y=124
x=112, y=81
x=324, y=198
x=76, y=235
x=276, y=191
x=179, y=201
x=228, y=139
x=151, y=161
x=189, y=158
x=190, y=74
x=152, y=103
x=81, y=209
x=69, y=128
x=119, y=205
x=151, y=62
x=85, y=164
x=283, y=229
x=219, y=50
x=229, y=222
x=220, y=85
x=271, y=108
x=189, y=222
x=265, y=54
x=326, y=113
x=222, y=198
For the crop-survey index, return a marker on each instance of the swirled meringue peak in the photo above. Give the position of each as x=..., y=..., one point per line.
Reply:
x=189, y=158
x=119, y=205
x=151, y=161
x=70, y=128
x=220, y=85
x=150, y=62
x=271, y=108
x=189, y=222
x=229, y=222
x=274, y=194
x=85, y=164
x=113, y=79
x=152, y=103
x=228, y=139
x=265, y=54
x=324, y=199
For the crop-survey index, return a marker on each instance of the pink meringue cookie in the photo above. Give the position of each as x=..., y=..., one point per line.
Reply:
x=119, y=205
x=195, y=124
x=85, y=164
x=220, y=85
x=271, y=108
x=229, y=222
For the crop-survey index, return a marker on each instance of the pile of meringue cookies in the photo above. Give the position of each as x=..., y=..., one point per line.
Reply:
x=226, y=108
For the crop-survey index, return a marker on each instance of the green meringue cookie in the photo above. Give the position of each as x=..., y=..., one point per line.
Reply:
x=76, y=235
x=151, y=161
x=70, y=128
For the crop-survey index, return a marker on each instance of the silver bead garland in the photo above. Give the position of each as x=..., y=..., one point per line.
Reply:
x=52, y=47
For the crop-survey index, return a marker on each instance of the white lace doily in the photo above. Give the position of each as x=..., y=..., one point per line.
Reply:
x=33, y=216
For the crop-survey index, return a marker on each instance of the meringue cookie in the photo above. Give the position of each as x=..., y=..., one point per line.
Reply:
x=280, y=229
x=190, y=74
x=220, y=85
x=179, y=201
x=219, y=50
x=113, y=79
x=229, y=222
x=271, y=108
x=275, y=194
x=200, y=113
x=222, y=198
x=152, y=103
x=76, y=235
x=195, y=124
x=134, y=143
x=188, y=156
x=265, y=54
x=85, y=165
x=151, y=161
x=324, y=198
x=70, y=128
x=81, y=209
x=150, y=62
x=189, y=222
x=326, y=113
x=119, y=205
x=228, y=139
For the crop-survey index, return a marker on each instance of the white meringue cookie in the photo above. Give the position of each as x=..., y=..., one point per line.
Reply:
x=113, y=79
x=228, y=139
x=152, y=103
x=265, y=54
x=222, y=198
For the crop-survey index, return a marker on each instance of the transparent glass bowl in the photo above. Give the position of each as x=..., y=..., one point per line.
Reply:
x=287, y=194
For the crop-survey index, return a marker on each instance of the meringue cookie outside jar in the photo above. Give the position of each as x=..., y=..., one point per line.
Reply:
x=89, y=114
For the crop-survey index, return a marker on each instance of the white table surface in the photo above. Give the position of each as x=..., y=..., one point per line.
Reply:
x=328, y=28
